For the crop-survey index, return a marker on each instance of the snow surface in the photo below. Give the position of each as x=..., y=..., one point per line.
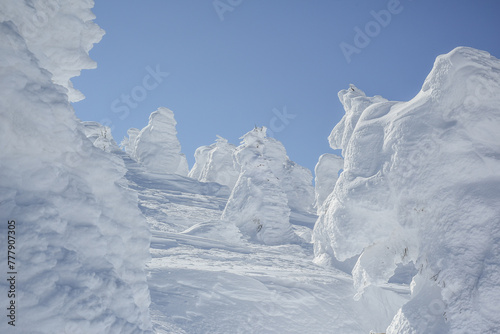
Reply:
x=216, y=163
x=421, y=186
x=81, y=242
x=407, y=239
x=206, y=278
x=156, y=146
x=327, y=172
x=58, y=33
x=100, y=136
x=268, y=187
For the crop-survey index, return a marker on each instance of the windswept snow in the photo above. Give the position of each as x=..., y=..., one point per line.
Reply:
x=205, y=278
x=156, y=146
x=407, y=239
x=80, y=240
x=100, y=136
x=421, y=184
x=268, y=188
x=327, y=172
x=216, y=163
x=258, y=205
x=58, y=33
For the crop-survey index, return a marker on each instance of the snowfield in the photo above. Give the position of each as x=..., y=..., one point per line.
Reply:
x=399, y=235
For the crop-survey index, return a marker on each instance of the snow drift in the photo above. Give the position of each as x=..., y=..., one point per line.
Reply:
x=81, y=242
x=156, y=146
x=421, y=187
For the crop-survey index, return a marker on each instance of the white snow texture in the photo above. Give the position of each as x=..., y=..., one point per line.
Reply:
x=327, y=170
x=156, y=146
x=421, y=185
x=215, y=163
x=81, y=243
x=269, y=187
x=415, y=208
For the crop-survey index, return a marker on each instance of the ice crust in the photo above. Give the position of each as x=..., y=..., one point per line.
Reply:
x=421, y=184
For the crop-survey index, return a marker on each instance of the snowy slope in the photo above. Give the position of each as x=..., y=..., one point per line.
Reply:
x=421, y=186
x=204, y=278
x=80, y=240
x=407, y=239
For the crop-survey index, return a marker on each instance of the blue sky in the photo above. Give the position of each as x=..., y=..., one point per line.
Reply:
x=225, y=66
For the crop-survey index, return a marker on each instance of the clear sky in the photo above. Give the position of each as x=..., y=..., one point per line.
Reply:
x=225, y=66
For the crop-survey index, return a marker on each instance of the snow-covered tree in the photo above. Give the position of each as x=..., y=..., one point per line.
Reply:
x=216, y=163
x=421, y=186
x=258, y=205
x=80, y=243
x=156, y=146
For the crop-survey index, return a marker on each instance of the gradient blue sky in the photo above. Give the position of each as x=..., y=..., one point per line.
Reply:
x=227, y=75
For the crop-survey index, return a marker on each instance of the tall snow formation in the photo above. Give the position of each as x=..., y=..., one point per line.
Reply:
x=156, y=146
x=215, y=163
x=296, y=182
x=53, y=29
x=421, y=185
x=128, y=142
x=81, y=243
x=260, y=201
x=327, y=170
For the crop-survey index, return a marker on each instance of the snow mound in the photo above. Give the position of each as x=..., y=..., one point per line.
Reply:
x=421, y=184
x=215, y=230
x=81, y=242
x=156, y=146
x=215, y=163
x=327, y=170
x=296, y=182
